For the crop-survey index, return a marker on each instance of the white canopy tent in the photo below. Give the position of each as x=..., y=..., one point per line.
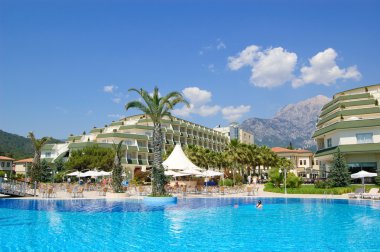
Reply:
x=178, y=161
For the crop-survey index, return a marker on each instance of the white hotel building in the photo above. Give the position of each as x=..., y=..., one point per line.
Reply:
x=350, y=122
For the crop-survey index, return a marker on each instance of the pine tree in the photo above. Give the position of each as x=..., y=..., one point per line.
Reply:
x=339, y=174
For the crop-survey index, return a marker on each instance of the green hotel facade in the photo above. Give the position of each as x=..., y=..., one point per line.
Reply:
x=350, y=122
x=137, y=134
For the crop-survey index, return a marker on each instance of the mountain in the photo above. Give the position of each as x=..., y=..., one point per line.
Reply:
x=294, y=123
x=18, y=147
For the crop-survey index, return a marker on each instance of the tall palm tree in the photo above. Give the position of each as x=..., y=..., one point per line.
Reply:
x=157, y=107
x=233, y=155
x=35, y=171
x=117, y=169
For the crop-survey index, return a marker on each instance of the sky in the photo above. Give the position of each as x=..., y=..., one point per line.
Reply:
x=66, y=66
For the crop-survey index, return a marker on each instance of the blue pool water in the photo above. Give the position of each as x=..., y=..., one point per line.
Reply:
x=217, y=224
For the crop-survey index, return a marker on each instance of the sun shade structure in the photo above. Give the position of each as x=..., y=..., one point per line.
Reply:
x=178, y=161
x=77, y=173
x=362, y=175
x=210, y=173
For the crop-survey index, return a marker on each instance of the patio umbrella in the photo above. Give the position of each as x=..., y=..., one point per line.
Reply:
x=362, y=175
x=76, y=174
x=104, y=173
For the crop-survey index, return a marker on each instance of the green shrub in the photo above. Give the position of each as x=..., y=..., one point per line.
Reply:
x=377, y=180
x=292, y=181
x=2, y=174
x=323, y=184
x=226, y=182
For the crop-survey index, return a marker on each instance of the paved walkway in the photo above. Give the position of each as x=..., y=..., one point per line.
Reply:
x=109, y=195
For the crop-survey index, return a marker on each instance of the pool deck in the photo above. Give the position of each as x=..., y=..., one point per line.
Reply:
x=61, y=195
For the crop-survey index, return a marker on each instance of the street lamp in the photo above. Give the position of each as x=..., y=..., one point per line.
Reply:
x=284, y=179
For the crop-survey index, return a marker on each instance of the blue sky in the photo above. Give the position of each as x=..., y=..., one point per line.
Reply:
x=66, y=66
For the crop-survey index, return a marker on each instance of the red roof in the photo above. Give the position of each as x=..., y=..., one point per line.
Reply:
x=6, y=158
x=26, y=160
x=282, y=150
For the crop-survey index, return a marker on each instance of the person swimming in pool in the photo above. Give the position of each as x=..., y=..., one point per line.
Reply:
x=259, y=204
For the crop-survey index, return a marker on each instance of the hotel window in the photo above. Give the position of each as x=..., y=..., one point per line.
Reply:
x=48, y=154
x=300, y=162
x=8, y=164
x=304, y=162
x=2, y=164
x=329, y=143
x=364, y=138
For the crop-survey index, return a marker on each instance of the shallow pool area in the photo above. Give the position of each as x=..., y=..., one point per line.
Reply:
x=194, y=224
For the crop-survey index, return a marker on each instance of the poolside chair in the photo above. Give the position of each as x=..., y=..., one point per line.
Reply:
x=249, y=190
x=184, y=190
x=141, y=191
x=357, y=194
x=376, y=196
x=70, y=192
x=80, y=192
x=221, y=190
x=371, y=193
x=104, y=191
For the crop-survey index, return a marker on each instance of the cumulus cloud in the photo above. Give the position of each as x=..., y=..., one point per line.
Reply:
x=206, y=110
x=232, y=113
x=274, y=67
x=198, y=99
x=197, y=96
x=323, y=70
x=244, y=58
x=269, y=68
x=109, y=88
x=200, y=105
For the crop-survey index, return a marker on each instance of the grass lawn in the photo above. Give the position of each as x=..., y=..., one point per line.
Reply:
x=310, y=189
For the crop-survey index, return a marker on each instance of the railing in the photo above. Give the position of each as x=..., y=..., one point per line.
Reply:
x=16, y=188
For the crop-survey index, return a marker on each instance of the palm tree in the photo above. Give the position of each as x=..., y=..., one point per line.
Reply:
x=117, y=169
x=232, y=154
x=157, y=107
x=35, y=171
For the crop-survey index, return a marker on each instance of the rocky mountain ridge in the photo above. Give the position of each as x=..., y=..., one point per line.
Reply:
x=293, y=123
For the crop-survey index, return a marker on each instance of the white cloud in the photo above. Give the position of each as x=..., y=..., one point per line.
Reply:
x=115, y=116
x=244, y=58
x=110, y=88
x=206, y=110
x=232, y=113
x=200, y=105
x=323, y=70
x=220, y=45
x=270, y=68
x=199, y=100
x=197, y=96
x=116, y=100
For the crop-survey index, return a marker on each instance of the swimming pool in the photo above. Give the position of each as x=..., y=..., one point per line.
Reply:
x=217, y=224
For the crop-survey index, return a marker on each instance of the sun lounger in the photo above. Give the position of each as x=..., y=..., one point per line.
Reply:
x=371, y=193
x=249, y=190
x=357, y=194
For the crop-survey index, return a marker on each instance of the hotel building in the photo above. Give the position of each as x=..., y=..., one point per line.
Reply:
x=233, y=131
x=350, y=122
x=303, y=161
x=137, y=133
